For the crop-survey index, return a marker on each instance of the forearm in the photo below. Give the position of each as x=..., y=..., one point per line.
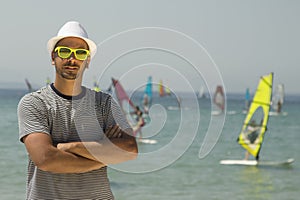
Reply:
x=58, y=161
x=49, y=158
x=113, y=151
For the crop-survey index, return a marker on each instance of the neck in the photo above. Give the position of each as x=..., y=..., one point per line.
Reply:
x=68, y=87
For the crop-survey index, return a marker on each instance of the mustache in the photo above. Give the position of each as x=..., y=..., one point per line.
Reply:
x=72, y=64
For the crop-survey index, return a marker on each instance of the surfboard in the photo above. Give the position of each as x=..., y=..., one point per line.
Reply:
x=173, y=108
x=231, y=112
x=257, y=163
x=147, y=141
x=272, y=113
x=276, y=163
x=216, y=113
x=238, y=162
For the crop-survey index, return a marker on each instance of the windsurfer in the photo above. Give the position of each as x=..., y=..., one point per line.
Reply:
x=146, y=103
x=278, y=107
x=251, y=134
x=140, y=122
x=219, y=98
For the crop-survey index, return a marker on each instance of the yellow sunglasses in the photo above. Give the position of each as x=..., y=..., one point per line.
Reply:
x=65, y=52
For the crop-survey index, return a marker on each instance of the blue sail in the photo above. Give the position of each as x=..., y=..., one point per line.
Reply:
x=247, y=99
x=147, y=97
x=148, y=89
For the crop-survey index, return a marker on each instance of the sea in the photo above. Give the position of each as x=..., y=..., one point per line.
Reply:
x=182, y=164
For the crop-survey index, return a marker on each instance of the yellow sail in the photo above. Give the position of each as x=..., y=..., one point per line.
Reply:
x=252, y=134
x=168, y=91
x=161, y=89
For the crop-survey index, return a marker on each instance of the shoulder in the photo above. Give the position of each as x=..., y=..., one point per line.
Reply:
x=35, y=98
x=102, y=97
x=98, y=98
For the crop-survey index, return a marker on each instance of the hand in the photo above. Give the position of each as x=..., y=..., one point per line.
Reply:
x=114, y=132
x=63, y=146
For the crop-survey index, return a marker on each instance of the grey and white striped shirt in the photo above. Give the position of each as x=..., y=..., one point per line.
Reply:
x=68, y=119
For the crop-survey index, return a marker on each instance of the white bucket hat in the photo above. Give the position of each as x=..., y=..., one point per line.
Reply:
x=72, y=29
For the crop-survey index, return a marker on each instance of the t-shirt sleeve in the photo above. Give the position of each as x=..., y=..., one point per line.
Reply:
x=116, y=116
x=32, y=116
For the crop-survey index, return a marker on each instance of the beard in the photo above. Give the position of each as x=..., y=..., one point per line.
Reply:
x=67, y=73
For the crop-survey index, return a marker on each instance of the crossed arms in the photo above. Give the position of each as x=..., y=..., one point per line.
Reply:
x=79, y=157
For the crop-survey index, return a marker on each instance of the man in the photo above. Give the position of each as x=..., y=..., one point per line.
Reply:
x=252, y=133
x=72, y=133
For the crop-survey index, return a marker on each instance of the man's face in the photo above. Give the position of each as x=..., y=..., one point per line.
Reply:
x=70, y=68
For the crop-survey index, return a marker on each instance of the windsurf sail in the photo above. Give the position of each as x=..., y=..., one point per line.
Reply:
x=167, y=90
x=122, y=96
x=29, y=87
x=219, y=98
x=147, y=97
x=201, y=93
x=247, y=99
x=161, y=89
x=278, y=98
x=255, y=124
x=124, y=100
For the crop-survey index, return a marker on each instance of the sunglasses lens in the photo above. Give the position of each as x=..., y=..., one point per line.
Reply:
x=81, y=54
x=64, y=52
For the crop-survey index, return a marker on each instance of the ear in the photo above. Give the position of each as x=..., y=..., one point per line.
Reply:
x=88, y=60
x=52, y=58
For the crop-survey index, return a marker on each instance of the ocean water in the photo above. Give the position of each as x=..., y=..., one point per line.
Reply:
x=185, y=176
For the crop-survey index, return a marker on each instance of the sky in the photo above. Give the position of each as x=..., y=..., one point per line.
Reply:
x=186, y=44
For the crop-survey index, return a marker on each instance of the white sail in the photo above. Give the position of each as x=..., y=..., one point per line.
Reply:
x=278, y=98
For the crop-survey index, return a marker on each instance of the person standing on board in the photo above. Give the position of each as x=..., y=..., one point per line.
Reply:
x=279, y=107
x=72, y=133
x=252, y=134
x=219, y=98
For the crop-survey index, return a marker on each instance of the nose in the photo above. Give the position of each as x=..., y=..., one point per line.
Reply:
x=72, y=56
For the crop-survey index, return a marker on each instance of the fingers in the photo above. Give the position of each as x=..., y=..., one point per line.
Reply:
x=63, y=146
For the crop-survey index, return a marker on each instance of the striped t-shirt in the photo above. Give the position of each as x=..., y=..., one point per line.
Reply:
x=66, y=119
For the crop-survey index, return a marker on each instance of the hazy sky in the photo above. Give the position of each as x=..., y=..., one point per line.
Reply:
x=244, y=39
